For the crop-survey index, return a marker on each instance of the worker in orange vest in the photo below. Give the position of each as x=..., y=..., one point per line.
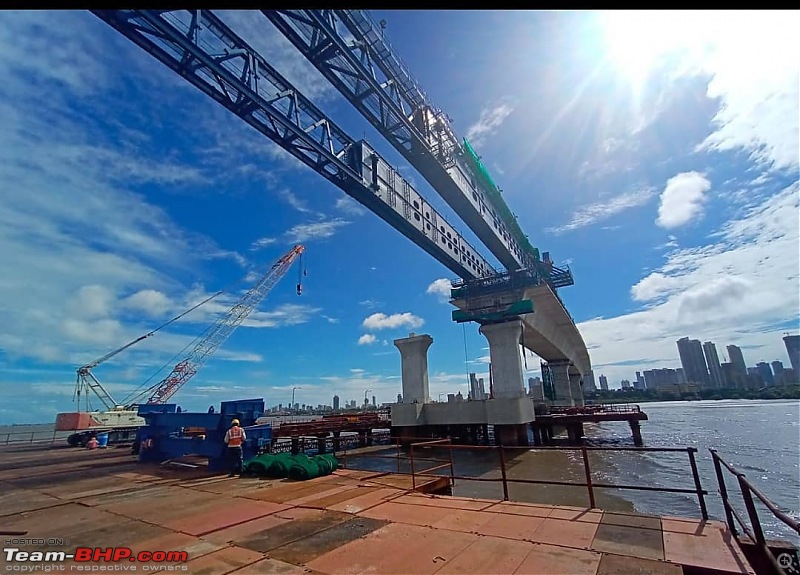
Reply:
x=234, y=439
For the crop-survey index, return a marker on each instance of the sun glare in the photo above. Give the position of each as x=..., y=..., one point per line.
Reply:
x=636, y=42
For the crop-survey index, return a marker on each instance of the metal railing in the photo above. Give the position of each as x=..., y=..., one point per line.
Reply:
x=754, y=532
x=28, y=437
x=597, y=408
x=502, y=451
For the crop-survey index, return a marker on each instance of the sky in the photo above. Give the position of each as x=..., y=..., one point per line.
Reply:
x=655, y=154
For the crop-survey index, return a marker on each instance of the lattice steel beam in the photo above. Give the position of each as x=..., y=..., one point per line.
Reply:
x=366, y=71
x=199, y=47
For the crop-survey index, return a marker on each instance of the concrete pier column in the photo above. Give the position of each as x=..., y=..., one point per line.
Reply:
x=636, y=432
x=295, y=445
x=504, y=353
x=522, y=435
x=336, y=442
x=559, y=371
x=369, y=438
x=362, y=439
x=576, y=389
x=414, y=362
x=321, y=440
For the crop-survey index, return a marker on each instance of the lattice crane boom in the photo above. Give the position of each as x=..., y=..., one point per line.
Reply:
x=216, y=335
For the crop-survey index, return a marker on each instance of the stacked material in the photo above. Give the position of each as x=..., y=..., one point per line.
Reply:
x=299, y=466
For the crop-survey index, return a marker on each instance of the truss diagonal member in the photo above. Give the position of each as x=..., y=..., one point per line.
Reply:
x=199, y=47
x=344, y=46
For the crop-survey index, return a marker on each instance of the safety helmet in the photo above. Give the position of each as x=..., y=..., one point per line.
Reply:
x=235, y=422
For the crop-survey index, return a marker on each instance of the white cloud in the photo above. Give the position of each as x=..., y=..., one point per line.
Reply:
x=682, y=200
x=366, y=339
x=603, y=210
x=441, y=289
x=370, y=303
x=262, y=243
x=314, y=230
x=740, y=290
x=290, y=198
x=349, y=206
x=152, y=302
x=330, y=319
x=488, y=123
x=383, y=321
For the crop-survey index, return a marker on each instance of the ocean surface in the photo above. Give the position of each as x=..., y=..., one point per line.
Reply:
x=760, y=438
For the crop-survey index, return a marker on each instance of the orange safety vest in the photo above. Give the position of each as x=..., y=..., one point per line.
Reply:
x=235, y=436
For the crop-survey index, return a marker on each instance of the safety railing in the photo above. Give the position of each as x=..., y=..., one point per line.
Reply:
x=28, y=437
x=590, y=482
x=755, y=532
x=596, y=408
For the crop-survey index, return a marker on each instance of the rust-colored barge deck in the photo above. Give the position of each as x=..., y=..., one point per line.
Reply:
x=349, y=522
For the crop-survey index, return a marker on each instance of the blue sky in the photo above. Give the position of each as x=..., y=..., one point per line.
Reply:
x=658, y=156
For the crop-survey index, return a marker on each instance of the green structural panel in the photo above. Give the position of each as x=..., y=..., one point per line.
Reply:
x=493, y=192
x=517, y=308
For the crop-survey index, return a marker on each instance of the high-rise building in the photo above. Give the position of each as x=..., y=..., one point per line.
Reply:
x=764, y=371
x=626, y=384
x=777, y=370
x=681, y=375
x=692, y=360
x=335, y=402
x=640, y=383
x=481, y=389
x=654, y=378
x=374, y=404
x=603, y=382
x=737, y=359
x=535, y=389
x=792, y=343
x=712, y=361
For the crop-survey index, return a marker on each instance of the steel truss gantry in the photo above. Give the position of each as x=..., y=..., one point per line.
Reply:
x=347, y=48
x=200, y=48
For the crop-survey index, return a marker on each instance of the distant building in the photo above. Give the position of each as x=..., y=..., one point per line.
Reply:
x=712, y=361
x=451, y=398
x=603, y=382
x=693, y=361
x=476, y=391
x=655, y=378
x=681, y=375
x=764, y=371
x=789, y=376
x=737, y=359
x=792, y=343
x=399, y=398
x=731, y=377
x=535, y=389
x=777, y=371
x=626, y=384
x=374, y=404
x=640, y=382
x=335, y=402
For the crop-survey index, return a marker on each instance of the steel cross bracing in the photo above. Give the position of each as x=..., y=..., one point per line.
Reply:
x=198, y=46
x=216, y=335
x=350, y=52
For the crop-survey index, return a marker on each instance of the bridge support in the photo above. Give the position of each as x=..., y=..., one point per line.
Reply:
x=414, y=361
x=562, y=383
x=507, y=374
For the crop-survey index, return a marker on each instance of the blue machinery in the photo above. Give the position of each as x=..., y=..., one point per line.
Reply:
x=170, y=434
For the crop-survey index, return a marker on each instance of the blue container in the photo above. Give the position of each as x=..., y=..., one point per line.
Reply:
x=102, y=440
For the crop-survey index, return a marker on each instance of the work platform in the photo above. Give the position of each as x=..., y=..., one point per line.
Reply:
x=348, y=522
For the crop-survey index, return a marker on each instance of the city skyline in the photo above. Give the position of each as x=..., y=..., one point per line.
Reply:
x=705, y=368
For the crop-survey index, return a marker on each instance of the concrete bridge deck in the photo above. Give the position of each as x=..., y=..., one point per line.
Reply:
x=350, y=522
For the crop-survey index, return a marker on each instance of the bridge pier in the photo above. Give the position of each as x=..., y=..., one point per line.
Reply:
x=562, y=383
x=414, y=362
x=336, y=442
x=636, y=432
x=321, y=441
x=507, y=374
